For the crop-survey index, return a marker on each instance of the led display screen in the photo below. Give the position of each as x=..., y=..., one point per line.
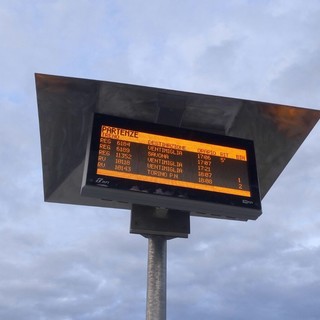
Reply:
x=152, y=164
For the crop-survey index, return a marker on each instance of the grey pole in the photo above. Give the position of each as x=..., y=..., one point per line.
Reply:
x=157, y=278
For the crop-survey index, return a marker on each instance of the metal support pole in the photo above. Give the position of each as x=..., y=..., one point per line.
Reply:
x=157, y=278
x=158, y=225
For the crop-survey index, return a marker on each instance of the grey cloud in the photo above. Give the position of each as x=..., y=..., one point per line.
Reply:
x=68, y=262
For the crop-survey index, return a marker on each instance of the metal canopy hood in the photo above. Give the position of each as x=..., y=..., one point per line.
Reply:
x=66, y=106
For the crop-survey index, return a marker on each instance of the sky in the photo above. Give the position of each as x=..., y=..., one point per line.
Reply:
x=64, y=262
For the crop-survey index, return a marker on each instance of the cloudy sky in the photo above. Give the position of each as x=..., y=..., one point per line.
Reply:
x=69, y=262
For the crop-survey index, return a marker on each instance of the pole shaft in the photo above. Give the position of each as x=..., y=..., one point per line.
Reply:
x=157, y=278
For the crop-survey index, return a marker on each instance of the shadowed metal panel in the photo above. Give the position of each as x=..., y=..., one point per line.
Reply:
x=66, y=106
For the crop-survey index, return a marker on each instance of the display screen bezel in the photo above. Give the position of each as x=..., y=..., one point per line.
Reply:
x=197, y=195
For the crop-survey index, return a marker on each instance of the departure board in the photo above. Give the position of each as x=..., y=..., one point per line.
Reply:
x=138, y=157
x=160, y=159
